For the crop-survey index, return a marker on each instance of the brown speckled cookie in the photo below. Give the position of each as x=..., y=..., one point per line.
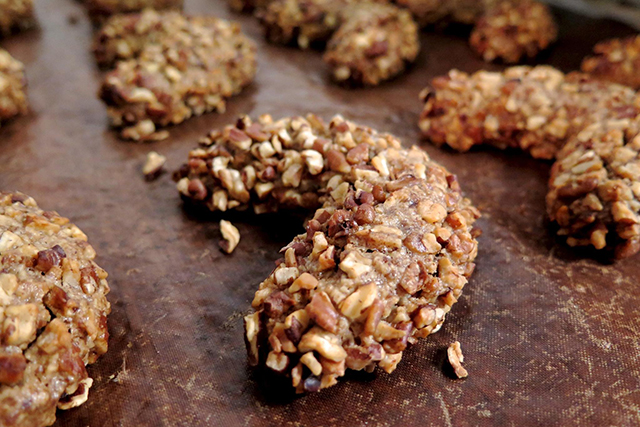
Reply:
x=384, y=257
x=101, y=10
x=169, y=68
x=373, y=44
x=53, y=313
x=13, y=97
x=15, y=15
x=591, y=127
x=617, y=61
x=513, y=31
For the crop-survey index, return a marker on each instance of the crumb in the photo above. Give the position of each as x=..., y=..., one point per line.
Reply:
x=153, y=165
x=454, y=352
x=231, y=236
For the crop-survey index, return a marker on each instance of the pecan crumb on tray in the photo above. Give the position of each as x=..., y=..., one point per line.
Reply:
x=231, y=236
x=153, y=165
x=385, y=254
x=454, y=354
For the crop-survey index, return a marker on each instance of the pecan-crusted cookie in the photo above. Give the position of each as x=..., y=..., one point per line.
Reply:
x=428, y=12
x=536, y=109
x=101, y=10
x=301, y=22
x=368, y=42
x=169, y=68
x=373, y=44
x=514, y=30
x=594, y=189
x=15, y=15
x=589, y=126
x=53, y=313
x=382, y=261
x=616, y=60
x=13, y=97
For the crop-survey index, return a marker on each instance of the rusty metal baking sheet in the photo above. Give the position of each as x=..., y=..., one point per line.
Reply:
x=551, y=336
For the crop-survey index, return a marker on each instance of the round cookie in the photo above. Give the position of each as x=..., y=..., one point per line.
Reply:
x=384, y=257
x=513, y=31
x=53, y=313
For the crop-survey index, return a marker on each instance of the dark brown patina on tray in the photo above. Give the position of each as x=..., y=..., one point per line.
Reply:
x=550, y=335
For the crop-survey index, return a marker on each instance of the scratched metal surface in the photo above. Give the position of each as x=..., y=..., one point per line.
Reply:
x=551, y=336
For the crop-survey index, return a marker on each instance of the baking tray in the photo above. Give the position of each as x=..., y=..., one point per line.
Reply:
x=551, y=335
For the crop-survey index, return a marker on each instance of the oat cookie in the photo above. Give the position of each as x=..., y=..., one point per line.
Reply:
x=101, y=10
x=53, y=313
x=428, y=12
x=169, y=68
x=13, y=97
x=589, y=126
x=373, y=44
x=301, y=22
x=15, y=15
x=513, y=31
x=616, y=60
x=594, y=189
x=384, y=257
x=367, y=42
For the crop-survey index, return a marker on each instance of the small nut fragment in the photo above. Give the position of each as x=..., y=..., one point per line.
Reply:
x=322, y=312
x=277, y=361
x=454, y=353
x=390, y=362
x=231, y=236
x=78, y=397
x=304, y=281
x=356, y=303
x=312, y=363
x=252, y=328
x=12, y=366
x=325, y=343
x=153, y=165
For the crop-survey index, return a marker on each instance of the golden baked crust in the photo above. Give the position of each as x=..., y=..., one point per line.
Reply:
x=53, y=313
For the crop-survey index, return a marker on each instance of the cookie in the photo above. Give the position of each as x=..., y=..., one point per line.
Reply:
x=616, y=60
x=429, y=12
x=513, y=31
x=13, y=97
x=384, y=257
x=536, y=109
x=53, y=316
x=15, y=15
x=367, y=42
x=594, y=189
x=169, y=68
x=294, y=22
x=100, y=10
x=373, y=44
x=589, y=126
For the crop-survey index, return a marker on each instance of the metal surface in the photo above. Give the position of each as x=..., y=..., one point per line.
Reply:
x=551, y=336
